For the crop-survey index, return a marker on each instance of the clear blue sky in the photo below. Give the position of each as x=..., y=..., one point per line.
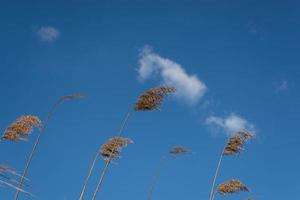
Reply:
x=244, y=52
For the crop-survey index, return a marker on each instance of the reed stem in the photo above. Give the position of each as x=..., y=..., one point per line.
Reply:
x=88, y=176
x=104, y=171
x=37, y=141
x=155, y=177
x=212, y=191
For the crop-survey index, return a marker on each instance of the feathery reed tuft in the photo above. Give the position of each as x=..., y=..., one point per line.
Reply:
x=112, y=148
x=22, y=126
x=236, y=142
x=153, y=98
x=7, y=179
x=232, y=186
x=179, y=150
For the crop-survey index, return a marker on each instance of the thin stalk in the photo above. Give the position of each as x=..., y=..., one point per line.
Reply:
x=88, y=176
x=101, y=178
x=155, y=177
x=212, y=191
x=37, y=141
x=125, y=121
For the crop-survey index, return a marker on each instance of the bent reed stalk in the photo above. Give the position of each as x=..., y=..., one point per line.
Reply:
x=37, y=141
x=175, y=151
x=234, y=146
x=149, y=100
x=91, y=169
x=109, y=151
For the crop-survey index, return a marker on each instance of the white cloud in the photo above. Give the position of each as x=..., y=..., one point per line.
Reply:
x=48, y=34
x=230, y=124
x=283, y=86
x=151, y=65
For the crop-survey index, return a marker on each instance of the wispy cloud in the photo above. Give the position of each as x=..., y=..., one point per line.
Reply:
x=48, y=33
x=229, y=124
x=151, y=65
x=282, y=86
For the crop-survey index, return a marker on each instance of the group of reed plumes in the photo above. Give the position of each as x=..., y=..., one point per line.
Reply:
x=150, y=100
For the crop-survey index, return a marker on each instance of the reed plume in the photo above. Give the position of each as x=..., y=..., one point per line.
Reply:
x=232, y=186
x=109, y=151
x=21, y=127
x=149, y=100
x=175, y=151
x=234, y=146
x=7, y=179
x=42, y=130
x=153, y=98
x=236, y=143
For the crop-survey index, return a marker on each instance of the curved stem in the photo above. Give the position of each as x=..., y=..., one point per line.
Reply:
x=212, y=191
x=125, y=121
x=101, y=178
x=37, y=141
x=88, y=177
x=155, y=177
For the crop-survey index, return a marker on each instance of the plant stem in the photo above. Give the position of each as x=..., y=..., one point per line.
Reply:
x=212, y=191
x=124, y=122
x=37, y=141
x=101, y=178
x=155, y=177
x=88, y=176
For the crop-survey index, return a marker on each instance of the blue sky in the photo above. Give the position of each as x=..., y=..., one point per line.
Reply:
x=235, y=64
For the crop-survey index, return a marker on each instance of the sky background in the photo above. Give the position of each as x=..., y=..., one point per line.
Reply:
x=235, y=64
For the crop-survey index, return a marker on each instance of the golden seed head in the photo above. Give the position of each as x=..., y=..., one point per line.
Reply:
x=153, y=98
x=22, y=126
x=112, y=148
x=232, y=186
x=236, y=142
x=179, y=150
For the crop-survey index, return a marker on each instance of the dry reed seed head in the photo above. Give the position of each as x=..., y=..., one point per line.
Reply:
x=179, y=150
x=22, y=126
x=153, y=98
x=72, y=96
x=112, y=148
x=236, y=142
x=232, y=186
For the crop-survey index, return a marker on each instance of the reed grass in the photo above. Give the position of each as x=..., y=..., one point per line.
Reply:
x=38, y=138
x=109, y=151
x=232, y=186
x=7, y=179
x=173, y=152
x=150, y=100
x=234, y=146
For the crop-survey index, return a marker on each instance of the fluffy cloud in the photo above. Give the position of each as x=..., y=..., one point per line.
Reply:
x=48, y=34
x=230, y=124
x=151, y=65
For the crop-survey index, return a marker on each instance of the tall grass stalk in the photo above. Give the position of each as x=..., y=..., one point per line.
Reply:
x=37, y=141
x=149, y=100
x=212, y=190
x=233, y=146
x=173, y=152
x=91, y=169
x=103, y=173
x=155, y=177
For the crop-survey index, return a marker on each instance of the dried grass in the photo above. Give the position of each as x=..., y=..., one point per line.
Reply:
x=21, y=127
x=236, y=142
x=179, y=150
x=232, y=186
x=153, y=98
x=112, y=148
